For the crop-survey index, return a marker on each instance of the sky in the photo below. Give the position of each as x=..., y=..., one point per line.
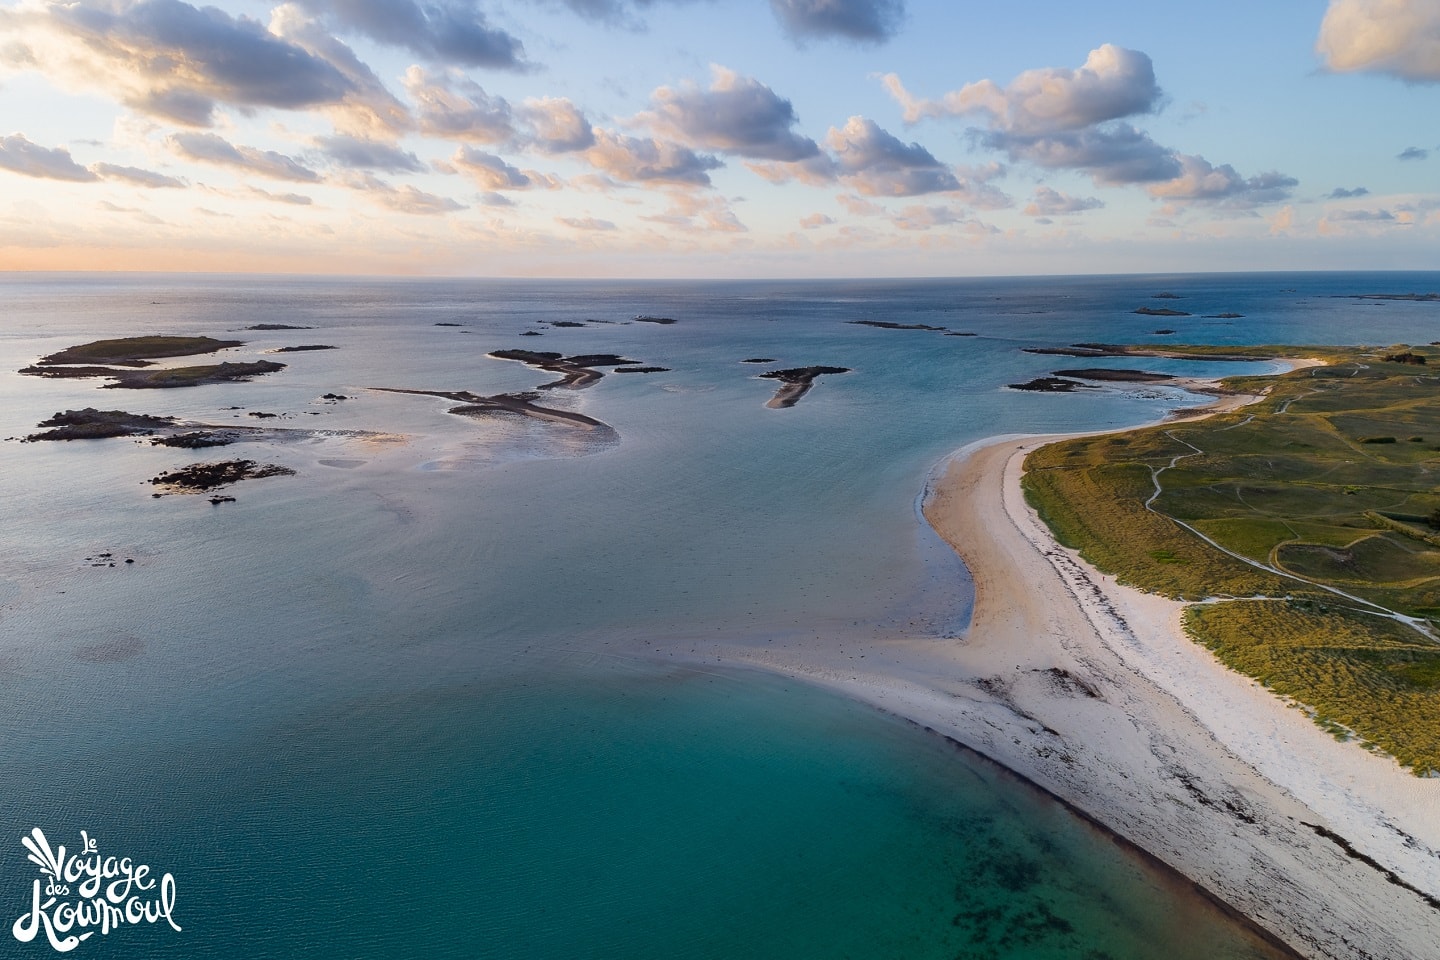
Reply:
x=719, y=138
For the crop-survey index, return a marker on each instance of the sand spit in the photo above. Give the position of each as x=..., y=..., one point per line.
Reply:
x=795, y=383
x=1093, y=692
x=472, y=404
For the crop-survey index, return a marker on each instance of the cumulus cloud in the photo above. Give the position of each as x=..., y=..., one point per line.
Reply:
x=1059, y=118
x=489, y=171
x=443, y=31
x=646, y=160
x=586, y=223
x=1283, y=222
x=1202, y=181
x=367, y=108
x=555, y=125
x=170, y=59
x=736, y=115
x=455, y=107
x=452, y=106
x=858, y=206
x=868, y=21
x=982, y=196
x=20, y=155
x=1396, y=37
x=1341, y=193
x=148, y=179
x=619, y=13
x=816, y=220
x=1062, y=119
x=929, y=217
x=1413, y=153
x=1048, y=202
x=876, y=163
x=1113, y=154
x=360, y=154
x=403, y=199
x=1112, y=84
x=214, y=149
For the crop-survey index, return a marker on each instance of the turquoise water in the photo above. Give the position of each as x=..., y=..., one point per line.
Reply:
x=622, y=814
x=394, y=706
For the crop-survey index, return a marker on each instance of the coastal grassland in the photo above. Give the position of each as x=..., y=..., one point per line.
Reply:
x=1360, y=676
x=195, y=376
x=1331, y=480
x=133, y=351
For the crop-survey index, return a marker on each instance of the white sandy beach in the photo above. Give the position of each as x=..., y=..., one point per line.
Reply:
x=1093, y=691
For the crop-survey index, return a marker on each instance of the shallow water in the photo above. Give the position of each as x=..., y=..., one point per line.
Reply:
x=382, y=708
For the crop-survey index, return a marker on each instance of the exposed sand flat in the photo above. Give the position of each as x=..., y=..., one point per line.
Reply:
x=1093, y=692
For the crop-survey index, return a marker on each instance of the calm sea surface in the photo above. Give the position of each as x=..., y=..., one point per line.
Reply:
x=389, y=707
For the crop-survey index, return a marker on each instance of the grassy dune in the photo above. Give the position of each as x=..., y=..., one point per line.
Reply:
x=1333, y=479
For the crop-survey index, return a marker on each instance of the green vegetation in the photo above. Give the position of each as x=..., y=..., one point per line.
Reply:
x=1311, y=484
x=195, y=376
x=1362, y=677
x=132, y=351
x=161, y=378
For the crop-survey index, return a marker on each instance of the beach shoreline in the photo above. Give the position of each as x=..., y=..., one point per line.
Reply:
x=1094, y=693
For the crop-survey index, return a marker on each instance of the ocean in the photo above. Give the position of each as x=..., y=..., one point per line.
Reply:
x=445, y=692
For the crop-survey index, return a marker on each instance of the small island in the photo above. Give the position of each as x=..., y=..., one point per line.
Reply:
x=521, y=404
x=131, y=355
x=137, y=351
x=198, y=439
x=200, y=477
x=646, y=318
x=795, y=383
x=303, y=348
x=1052, y=385
x=576, y=373
x=891, y=325
x=1160, y=312
x=1414, y=297
x=1224, y=354
x=164, y=378
x=1115, y=374
x=93, y=424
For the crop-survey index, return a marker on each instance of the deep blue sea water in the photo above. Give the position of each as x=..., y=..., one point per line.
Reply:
x=400, y=705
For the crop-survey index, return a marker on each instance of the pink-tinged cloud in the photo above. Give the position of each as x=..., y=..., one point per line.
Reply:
x=214, y=149
x=1049, y=202
x=1396, y=37
x=647, y=160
